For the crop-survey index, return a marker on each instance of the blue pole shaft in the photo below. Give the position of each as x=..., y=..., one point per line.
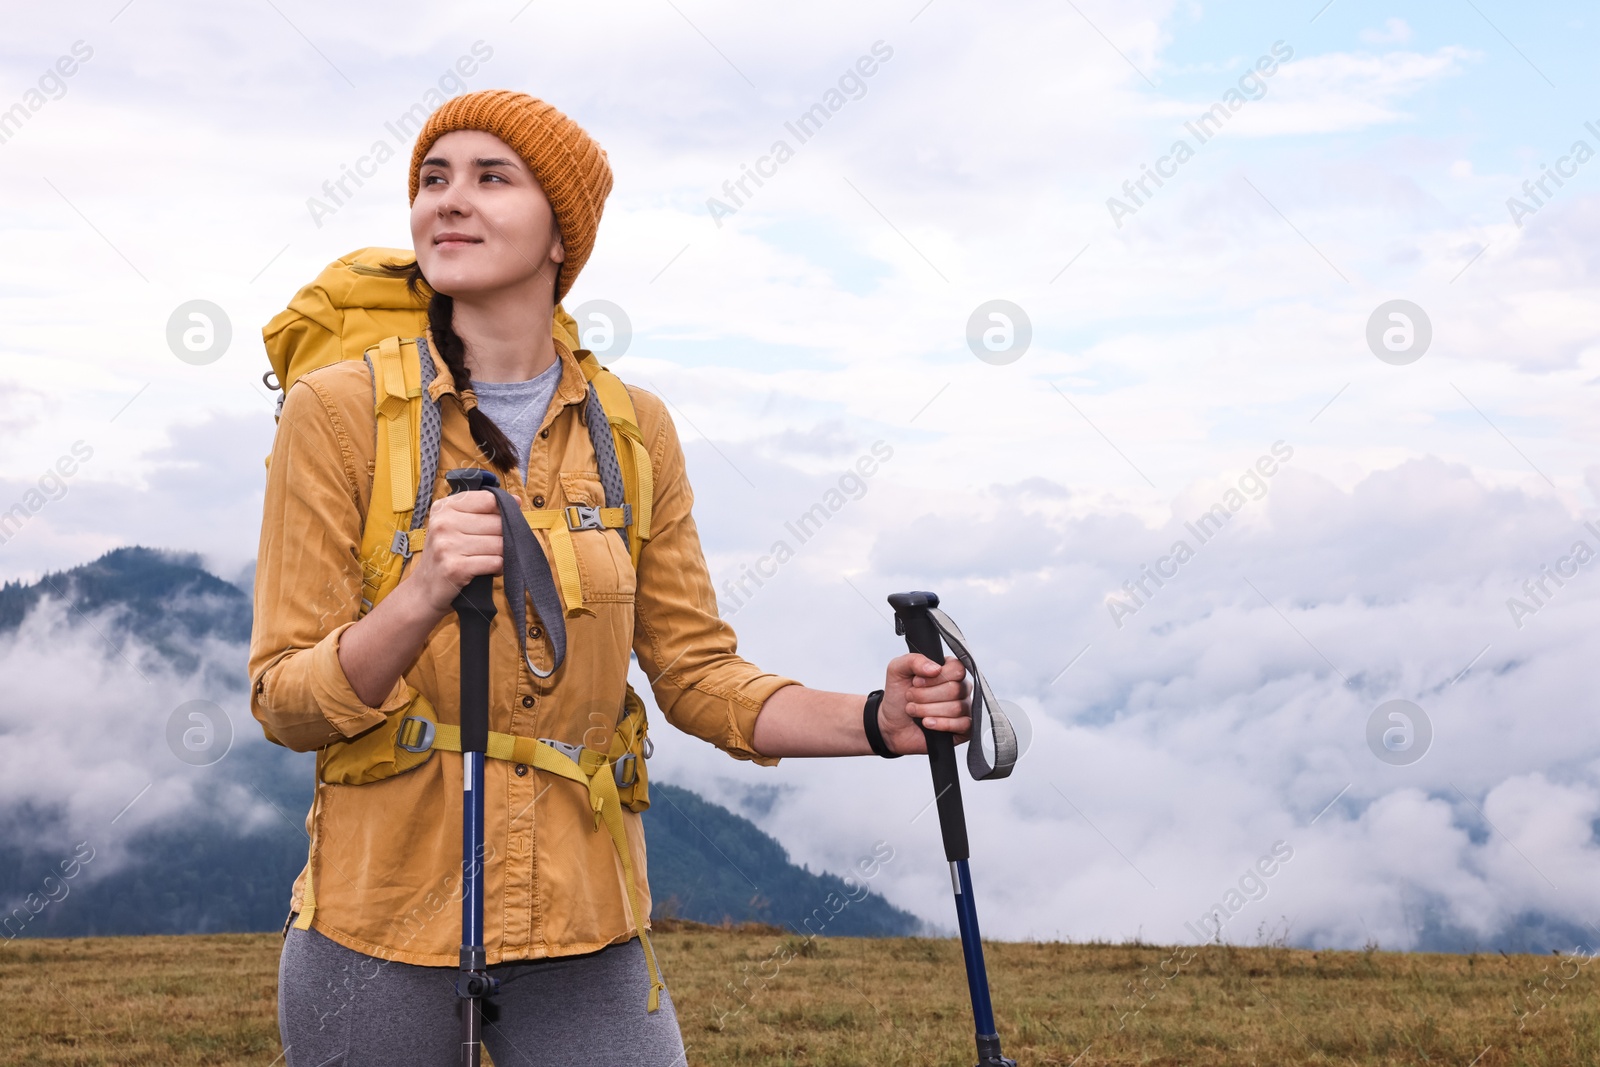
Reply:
x=472, y=958
x=472, y=862
x=972, y=949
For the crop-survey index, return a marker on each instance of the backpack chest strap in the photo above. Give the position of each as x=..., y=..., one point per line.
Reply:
x=409, y=430
x=561, y=523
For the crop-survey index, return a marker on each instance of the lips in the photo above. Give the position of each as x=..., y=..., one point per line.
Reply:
x=455, y=240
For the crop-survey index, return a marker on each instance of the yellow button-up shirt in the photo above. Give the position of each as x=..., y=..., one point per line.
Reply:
x=386, y=857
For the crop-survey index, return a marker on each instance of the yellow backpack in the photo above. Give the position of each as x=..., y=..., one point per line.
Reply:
x=355, y=309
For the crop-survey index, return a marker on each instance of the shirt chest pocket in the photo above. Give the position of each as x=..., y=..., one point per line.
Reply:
x=604, y=568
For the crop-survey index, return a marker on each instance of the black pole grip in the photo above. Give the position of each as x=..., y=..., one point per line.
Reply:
x=475, y=611
x=911, y=619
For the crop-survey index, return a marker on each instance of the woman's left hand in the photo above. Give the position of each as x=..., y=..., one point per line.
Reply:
x=917, y=689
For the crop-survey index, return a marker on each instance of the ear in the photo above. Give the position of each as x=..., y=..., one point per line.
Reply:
x=558, y=251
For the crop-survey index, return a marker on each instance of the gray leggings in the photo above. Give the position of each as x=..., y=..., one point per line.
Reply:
x=342, y=1008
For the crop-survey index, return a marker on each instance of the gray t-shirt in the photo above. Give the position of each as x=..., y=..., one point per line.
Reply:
x=518, y=408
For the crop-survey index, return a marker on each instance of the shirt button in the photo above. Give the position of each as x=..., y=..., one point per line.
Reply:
x=544, y=433
x=534, y=631
x=538, y=501
x=522, y=770
x=527, y=702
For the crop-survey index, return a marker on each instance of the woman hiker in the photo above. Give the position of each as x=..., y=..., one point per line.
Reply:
x=507, y=194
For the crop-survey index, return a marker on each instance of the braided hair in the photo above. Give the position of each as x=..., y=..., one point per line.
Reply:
x=492, y=442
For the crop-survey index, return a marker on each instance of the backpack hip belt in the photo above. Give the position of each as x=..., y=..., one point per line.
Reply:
x=606, y=776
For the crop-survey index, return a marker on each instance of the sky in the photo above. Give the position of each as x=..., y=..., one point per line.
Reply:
x=1212, y=343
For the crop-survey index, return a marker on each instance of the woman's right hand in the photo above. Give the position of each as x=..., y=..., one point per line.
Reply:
x=464, y=541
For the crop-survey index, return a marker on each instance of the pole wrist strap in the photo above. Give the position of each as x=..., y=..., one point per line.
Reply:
x=988, y=718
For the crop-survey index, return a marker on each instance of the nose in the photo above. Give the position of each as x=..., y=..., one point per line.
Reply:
x=453, y=201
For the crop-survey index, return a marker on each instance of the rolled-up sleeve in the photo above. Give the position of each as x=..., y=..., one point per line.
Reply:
x=308, y=582
x=688, y=652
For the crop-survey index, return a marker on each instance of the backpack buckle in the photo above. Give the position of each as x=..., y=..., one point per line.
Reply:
x=401, y=545
x=627, y=761
x=572, y=752
x=583, y=517
x=424, y=732
x=624, y=779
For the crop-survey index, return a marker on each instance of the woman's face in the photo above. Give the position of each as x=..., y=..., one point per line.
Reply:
x=481, y=221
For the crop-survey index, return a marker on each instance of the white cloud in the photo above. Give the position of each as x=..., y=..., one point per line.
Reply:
x=1211, y=725
x=199, y=490
x=1395, y=31
x=1341, y=92
x=85, y=719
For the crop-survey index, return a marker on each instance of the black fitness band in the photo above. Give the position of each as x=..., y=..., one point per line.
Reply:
x=869, y=716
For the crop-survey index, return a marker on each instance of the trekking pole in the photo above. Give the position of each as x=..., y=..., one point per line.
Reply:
x=916, y=616
x=475, y=610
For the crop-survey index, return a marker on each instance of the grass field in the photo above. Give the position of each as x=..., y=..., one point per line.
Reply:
x=757, y=995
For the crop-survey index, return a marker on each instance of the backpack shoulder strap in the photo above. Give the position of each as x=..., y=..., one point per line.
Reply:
x=621, y=455
x=405, y=465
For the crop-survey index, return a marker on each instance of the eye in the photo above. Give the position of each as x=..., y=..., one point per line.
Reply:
x=491, y=174
x=427, y=179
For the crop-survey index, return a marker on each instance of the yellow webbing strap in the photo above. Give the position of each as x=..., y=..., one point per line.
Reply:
x=643, y=480
x=397, y=404
x=566, y=558
x=594, y=774
x=393, y=404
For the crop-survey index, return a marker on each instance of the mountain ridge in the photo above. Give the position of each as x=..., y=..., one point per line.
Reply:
x=206, y=875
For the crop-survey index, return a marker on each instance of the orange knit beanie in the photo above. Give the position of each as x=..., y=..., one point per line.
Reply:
x=568, y=164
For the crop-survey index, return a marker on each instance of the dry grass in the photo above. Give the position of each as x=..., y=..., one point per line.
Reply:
x=757, y=995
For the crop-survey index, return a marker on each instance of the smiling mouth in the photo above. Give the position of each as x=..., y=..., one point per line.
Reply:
x=456, y=241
